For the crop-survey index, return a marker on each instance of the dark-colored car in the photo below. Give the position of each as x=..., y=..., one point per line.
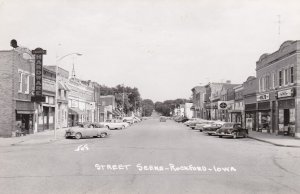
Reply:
x=233, y=130
x=162, y=119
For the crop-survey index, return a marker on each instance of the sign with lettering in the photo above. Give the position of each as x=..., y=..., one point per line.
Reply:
x=222, y=105
x=262, y=97
x=38, y=96
x=285, y=93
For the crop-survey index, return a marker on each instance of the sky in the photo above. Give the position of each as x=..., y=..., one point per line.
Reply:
x=162, y=47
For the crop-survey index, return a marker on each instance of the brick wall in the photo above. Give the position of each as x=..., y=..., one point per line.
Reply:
x=6, y=94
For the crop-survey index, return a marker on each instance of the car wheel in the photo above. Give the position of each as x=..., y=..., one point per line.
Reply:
x=209, y=134
x=107, y=127
x=78, y=135
x=123, y=127
x=220, y=136
x=102, y=135
x=245, y=135
x=234, y=135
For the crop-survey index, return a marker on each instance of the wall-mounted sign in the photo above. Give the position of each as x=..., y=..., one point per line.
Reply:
x=38, y=96
x=285, y=93
x=262, y=97
x=222, y=105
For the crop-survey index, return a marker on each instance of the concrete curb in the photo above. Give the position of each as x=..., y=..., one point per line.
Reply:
x=276, y=144
x=21, y=143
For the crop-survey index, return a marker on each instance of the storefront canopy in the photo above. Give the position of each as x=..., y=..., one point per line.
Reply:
x=75, y=111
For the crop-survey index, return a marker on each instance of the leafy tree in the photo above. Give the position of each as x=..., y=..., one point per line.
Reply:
x=130, y=96
x=148, y=107
x=167, y=107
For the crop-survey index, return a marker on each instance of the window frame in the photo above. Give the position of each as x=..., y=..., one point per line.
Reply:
x=20, y=76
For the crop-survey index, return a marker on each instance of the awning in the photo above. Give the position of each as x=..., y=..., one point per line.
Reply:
x=109, y=112
x=116, y=113
x=192, y=107
x=63, y=86
x=235, y=111
x=75, y=111
x=25, y=111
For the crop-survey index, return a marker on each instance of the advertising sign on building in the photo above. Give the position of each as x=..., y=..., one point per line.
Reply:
x=222, y=105
x=285, y=93
x=262, y=97
x=38, y=97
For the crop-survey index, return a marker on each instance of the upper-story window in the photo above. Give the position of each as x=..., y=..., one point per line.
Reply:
x=286, y=76
x=267, y=83
x=26, y=84
x=292, y=74
x=273, y=80
x=280, y=78
x=20, y=81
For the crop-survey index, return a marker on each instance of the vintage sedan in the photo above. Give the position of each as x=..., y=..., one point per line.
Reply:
x=193, y=124
x=212, y=128
x=115, y=124
x=83, y=131
x=199, y=126
x=233, y=130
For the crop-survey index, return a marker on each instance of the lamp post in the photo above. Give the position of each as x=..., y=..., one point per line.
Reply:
x=56, y=88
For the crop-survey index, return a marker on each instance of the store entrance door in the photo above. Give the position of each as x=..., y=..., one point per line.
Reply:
x=286, y=117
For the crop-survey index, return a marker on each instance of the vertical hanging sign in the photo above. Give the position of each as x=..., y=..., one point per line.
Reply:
x=38, y=97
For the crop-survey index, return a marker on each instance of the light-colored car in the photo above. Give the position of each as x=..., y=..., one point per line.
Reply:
x=115, y=124
x=128, y=120
x=80, y=132
x=200, y=126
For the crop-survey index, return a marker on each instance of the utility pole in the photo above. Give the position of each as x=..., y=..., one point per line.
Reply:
x=279, y=23
x=123, y=102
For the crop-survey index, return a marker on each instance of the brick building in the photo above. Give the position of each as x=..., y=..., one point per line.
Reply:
x=17, y=76
x=198, y=100
x=81, y=101
x=278, y=97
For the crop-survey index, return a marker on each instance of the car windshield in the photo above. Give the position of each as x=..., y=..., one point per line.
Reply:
x=228, y=125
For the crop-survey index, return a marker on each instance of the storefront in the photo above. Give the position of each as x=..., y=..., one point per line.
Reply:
x=75, y=115
x=236, y=116
x=264, y=117
x=286, y=112
x=24, y=117
x=250, y=116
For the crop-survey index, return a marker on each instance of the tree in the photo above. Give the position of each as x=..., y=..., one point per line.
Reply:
x=166, y=108
x=148, y=107
x=127, y=96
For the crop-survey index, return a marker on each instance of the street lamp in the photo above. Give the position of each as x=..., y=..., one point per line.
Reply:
x=56, y=88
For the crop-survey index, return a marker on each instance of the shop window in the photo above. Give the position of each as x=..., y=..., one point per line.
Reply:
x=280, y=78
x=20, y=82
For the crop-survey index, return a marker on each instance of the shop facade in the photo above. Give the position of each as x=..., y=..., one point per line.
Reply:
x=278, y=98
x=17, y=113
x=249, y=95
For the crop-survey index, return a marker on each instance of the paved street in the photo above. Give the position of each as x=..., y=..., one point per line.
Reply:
x=182, y=161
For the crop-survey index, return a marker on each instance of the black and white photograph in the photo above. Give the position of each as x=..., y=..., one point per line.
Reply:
x=150, y=97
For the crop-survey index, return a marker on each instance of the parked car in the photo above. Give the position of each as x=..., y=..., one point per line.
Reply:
x=128, y=120
x=162, y=119
x=212, y=128
x=187, y=123
x=193, y=124
x=199, y=126
x=115, y=124
x=233, y=130
x=86, y=131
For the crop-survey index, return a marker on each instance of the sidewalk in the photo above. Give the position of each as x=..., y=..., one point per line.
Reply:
x=37, y=138
x=278, y=140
